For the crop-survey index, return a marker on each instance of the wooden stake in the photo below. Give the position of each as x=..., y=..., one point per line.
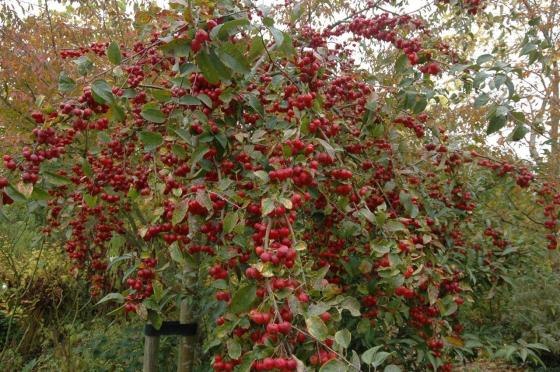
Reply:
x=151, y=344
x=187, y=343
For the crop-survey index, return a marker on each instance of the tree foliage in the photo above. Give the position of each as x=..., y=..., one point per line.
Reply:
x=310, y=209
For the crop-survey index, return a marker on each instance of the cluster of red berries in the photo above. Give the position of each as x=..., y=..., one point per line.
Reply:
x=269, y=364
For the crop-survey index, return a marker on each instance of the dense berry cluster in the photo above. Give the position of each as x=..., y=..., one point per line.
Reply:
x=282, y=181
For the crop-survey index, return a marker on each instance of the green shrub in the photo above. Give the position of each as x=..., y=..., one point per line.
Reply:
x=98, y=346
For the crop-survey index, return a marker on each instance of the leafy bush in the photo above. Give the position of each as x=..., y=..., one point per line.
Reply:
x=533, y=310
x=97, y=347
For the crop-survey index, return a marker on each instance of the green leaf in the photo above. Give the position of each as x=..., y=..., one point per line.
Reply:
x=333, y=365
x=101, y=92
x=352, y=305
x=230, y=221
x=179, y=212
x=394, y=226
x=519, y=132
x=496, y=123
x=297, y=12
x=267, y=206
x=402, y=64
x=499, y=80
x=243, y=299
x=14, y=194
x=392, y=368
x=176, y=254
x=262, y=175
x=114, y=54
x=155, y=318
x=211, y=67
x=151, y=140
x=484, y=58
x=369, y=355
x=257, y=47
x=189, y=100
x=317, y=328
x=112, y=297
x=379, y=358
x=458, y=68
x=328, y=148
x=343, y=338
x=198, y=154
x=232, y=57
x=421, y=103
x=152, y=114
x=481, y=100
x=233, y=348
x=255, y=103
x=528, y=48
x=56, y=179
x=205, y=99
x=65, y=83
x=205, y=66
x=39, y=194
x=117, y=112
x=84, y=65
x=158, y=290
x=224, y=30
x=451, y=309
x=278, y=36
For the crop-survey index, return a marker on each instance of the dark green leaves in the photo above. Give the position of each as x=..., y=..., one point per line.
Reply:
x=243, y=299
x=484, y=58
x=151, y=140
x=114, y=54
x=153, y=114
x=112, y=297
x=65, y=83
x=230, y=220
x=402, y=64
x=189, y=100
x=255, y=103
x=56, y=179
x=14, y=194
x=519, y=132
x=231, y=56
x=198, y=153
x=481, y=100
x=39, y=194
x=226, y=29
x=278, y=37
x=497, y=119
x=102, y=92
x=495, y=123
x=211, y=67
x=527, y=49
x=84, y=65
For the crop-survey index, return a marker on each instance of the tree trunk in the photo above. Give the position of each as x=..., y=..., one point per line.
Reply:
x=554, y=121
x=187, y=343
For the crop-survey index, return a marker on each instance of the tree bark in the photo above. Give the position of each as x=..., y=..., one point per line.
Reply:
x=554, y=121
x=187, y=343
